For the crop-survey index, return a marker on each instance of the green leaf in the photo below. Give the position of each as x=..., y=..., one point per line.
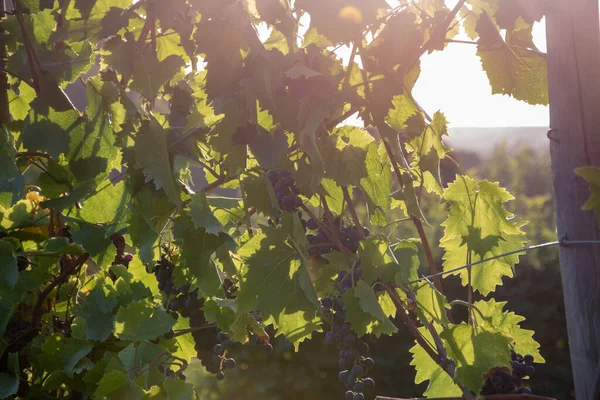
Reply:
x=141, y=320
x=97, y=310
x=512, y=70
x=149, y=74
x=508, y=322
x=260, y=194
x=592, y=176
x=376, y=260
x=308, y=134
x=479, y=224
x=63, y=354
x=428, y=149
x=431, y=304
x=275, y=280
x=364, y=312
x=19, y=104
x=476, y=351
x=198, y=256
x=152, y=155
x=407, y=257
x=346, y=154
x=441, y=385
x=377, y=185
x=202, y=215
x=115, y=385
x=18, y=215
x=9, y=382
x=9, y=271
x=110, y=205
x=322, y=273
x=50, y=133
x=268, y=147
x=179, y=390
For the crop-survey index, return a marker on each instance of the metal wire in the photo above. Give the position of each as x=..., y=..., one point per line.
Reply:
x=563, y=242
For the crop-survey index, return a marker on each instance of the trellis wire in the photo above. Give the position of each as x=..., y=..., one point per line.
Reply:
x=563, y=242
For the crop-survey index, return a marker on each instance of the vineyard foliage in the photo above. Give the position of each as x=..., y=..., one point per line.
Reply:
x=104, y=234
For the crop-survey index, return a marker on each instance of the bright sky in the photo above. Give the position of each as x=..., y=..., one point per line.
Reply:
x=453, y=82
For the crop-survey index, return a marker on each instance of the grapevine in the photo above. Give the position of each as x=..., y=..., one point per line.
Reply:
x=207, y=194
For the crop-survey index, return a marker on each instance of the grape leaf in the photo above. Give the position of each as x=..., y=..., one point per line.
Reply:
x=441, y=384
x=345, y=157
x=431, y=304
x=50, y=133
x=202, y=214
x=149, y=74
x=110, y=205
x=322, y=273
x=407, y=258
x=476, y=219
x=8, y=265
x=9, y=382
x=376, y=261
x=179, y=390
x=260, y=194
x=62, y=354
x=17, y=215
x=377, y=185
x=512, y=70
x=152, y=155
x=197, y=258
x=271, y=280
x=508, y=322
x=428, y=149
x=141, y=320
x=97, y=310
x=116, y=385
x=19, y=104
x=399, y=41
x=364, y=312
x=476, y=351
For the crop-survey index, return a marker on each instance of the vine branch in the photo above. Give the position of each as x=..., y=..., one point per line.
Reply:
x=67, y=270
x=357, y=225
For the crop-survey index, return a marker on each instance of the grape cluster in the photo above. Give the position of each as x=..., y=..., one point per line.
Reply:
x=163, y=271
x=321, y=244
x=18, y=334
x=64, y=327
x=285, y=189
x=502, y=381
x=354, y=362
x=220, y=361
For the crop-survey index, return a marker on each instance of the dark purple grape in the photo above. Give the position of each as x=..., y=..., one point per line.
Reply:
x=287, y=203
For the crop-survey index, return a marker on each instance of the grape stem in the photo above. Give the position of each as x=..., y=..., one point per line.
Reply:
x=357, y=225
x=467, y=304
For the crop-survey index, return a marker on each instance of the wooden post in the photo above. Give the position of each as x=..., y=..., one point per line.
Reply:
x=573, y=40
